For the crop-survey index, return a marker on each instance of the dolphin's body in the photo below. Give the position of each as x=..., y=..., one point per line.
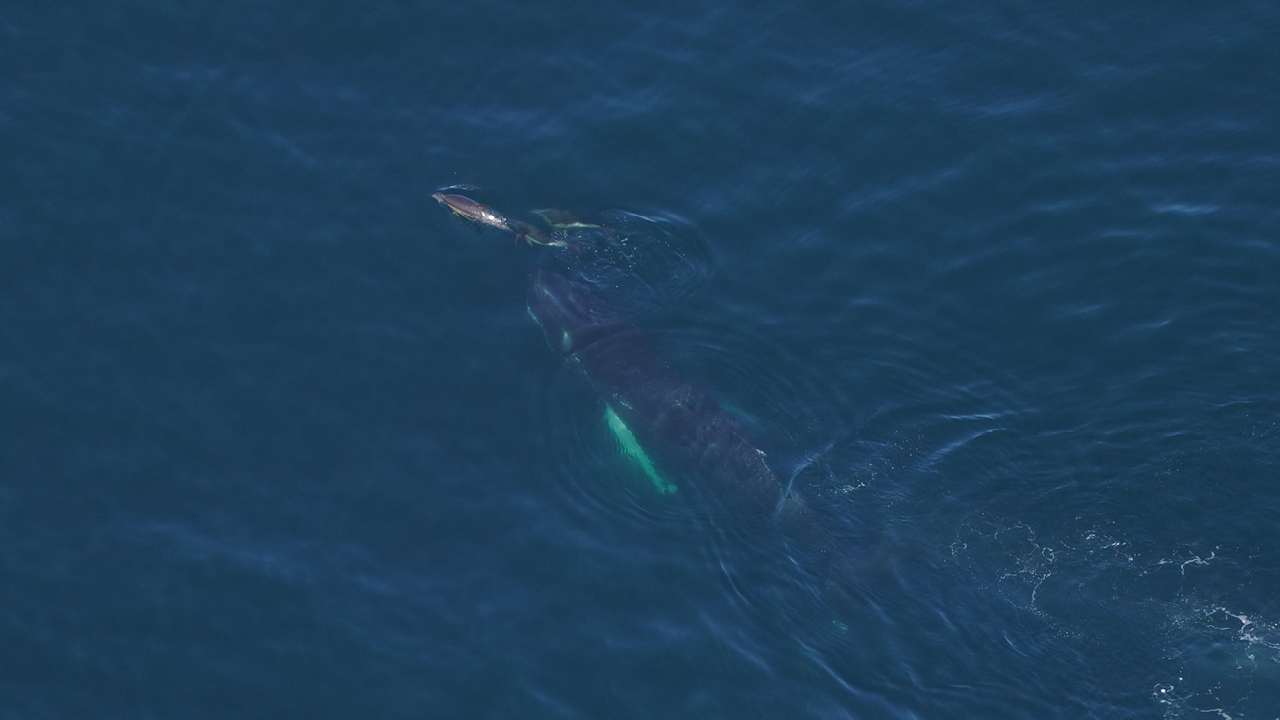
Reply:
x=485, y=215
x=674, y=420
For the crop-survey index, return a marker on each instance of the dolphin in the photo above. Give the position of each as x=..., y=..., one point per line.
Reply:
x=485, y=215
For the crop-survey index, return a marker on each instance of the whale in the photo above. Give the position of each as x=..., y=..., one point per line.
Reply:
x=668, y=425
x=676, y=422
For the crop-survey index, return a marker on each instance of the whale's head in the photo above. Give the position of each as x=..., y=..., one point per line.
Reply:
x=571, y=315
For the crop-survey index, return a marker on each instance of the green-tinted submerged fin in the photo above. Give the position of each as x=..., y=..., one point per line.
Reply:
x=633, y=450
x=561, y=219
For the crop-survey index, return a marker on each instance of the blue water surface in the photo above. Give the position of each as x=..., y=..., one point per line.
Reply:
x=994, y=286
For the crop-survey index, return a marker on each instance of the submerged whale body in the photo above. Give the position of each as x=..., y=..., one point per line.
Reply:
x=664, y=422
x=673, y=419
x=676, y=421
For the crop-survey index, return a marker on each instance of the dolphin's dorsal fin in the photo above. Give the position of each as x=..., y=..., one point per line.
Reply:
x=562, y=219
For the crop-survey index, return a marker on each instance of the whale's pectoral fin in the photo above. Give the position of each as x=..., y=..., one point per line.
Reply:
x=631, y=448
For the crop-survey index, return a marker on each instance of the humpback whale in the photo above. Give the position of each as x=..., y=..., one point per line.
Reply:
x=676, y=421
x=663, y=420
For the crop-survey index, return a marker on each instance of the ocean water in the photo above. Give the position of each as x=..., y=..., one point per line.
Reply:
x=993, y=285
